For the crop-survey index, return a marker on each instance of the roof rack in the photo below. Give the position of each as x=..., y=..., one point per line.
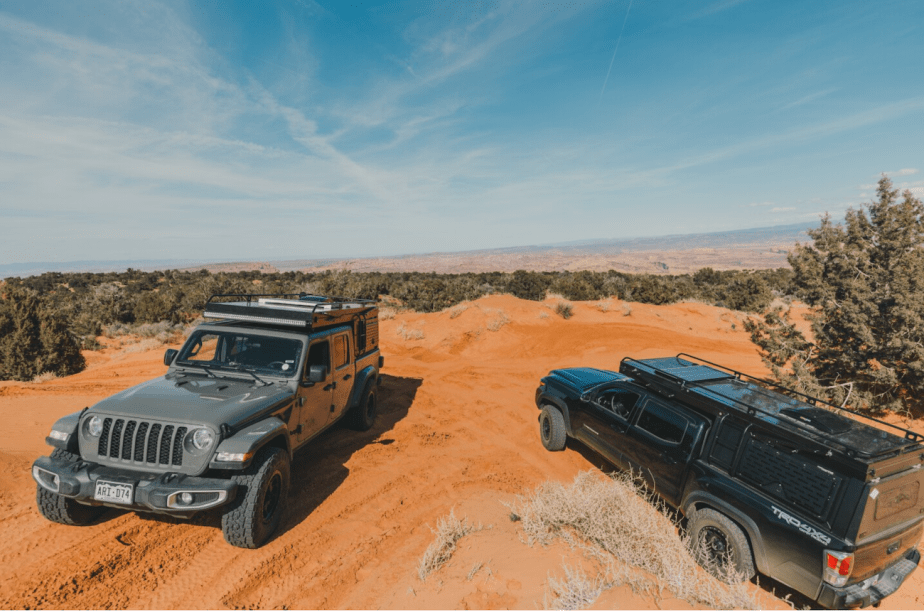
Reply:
x=291, y=309
x=682, y=373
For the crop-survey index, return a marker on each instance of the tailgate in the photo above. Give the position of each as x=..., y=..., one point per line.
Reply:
x=892, y=521
x=874, y=557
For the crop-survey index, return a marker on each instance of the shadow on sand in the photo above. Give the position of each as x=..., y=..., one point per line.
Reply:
x=319, y=468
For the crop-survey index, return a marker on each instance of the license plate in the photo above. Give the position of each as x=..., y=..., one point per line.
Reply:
x=113, y=492
x=870, y=582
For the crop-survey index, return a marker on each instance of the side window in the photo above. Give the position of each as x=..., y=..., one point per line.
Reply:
x=663, y=423
x=726, y=443
x=341, y=351
x=360, y=335
x=319, y=354
x=619, y=401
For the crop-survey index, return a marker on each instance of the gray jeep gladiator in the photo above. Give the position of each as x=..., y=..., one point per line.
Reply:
x=220, y=428
x=770, y=480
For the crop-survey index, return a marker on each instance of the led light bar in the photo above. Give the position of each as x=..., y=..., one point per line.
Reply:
x=256, y=319
x=292, y=313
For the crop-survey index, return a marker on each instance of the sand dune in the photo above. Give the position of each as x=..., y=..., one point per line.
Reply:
x=457, y=431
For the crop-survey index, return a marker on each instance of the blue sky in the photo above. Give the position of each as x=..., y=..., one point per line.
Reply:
x=303, y=129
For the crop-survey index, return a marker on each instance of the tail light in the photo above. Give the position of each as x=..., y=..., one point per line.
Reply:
x=838, y=566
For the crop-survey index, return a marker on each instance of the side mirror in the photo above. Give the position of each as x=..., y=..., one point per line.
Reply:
x=317, y=373
x=169, y=356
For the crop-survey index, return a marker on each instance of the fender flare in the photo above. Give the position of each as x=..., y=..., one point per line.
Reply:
x=364, y=378
x=701, y=498
x=250, y=440
x=68, y=424
x=562, y=407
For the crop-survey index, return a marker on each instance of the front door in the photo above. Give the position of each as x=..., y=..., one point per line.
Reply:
x=607, y=418
x=314, y=400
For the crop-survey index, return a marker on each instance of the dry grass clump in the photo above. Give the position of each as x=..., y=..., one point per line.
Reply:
x=564, y=309
x=498, y=319
x=449, y=530
x=575, y=592
x=409, y=334
x=145, y=345
x=604, y=305
x=163, y=332
x=626, y=310
x=386, y=313
x=615, y=521
x=784, y=303
x=44, y=377
x=458, y=309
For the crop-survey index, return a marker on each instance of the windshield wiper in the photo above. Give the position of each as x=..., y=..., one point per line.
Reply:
x=240, y=368
x=187, y=365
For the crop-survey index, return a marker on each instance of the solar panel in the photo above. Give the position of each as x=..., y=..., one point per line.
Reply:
x=696, y=373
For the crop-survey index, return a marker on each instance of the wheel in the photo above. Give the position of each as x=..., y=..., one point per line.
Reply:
x=64, y=510
x=261, y=498
x=362, y=417
x=552, y=429
x=720, y=546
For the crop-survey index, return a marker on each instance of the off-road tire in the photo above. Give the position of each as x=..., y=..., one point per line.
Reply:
x=64, y=510
x=720, y=546
x=362, y=417
x=263, y=490
x=552, y=429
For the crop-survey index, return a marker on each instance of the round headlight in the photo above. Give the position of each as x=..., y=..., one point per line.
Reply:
x=202, y=439
x=95, y=426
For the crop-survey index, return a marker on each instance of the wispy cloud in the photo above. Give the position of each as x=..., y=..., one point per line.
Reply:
x=886, y=112
x=717, y=7
x=902, y=172
x=808, y=98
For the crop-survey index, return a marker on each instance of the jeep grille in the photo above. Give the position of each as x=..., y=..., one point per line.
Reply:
x=142, y=442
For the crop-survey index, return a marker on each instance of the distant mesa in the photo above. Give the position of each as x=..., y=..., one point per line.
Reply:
x=756, y=249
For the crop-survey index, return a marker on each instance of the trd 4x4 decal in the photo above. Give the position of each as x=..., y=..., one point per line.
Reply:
x=803, y=527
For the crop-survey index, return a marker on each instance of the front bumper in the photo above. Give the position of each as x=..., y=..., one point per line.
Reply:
x=872, y=590
x=161, y=493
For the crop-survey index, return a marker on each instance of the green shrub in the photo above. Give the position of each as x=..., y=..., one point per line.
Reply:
x=564, y=309
x=33, y=339
x=865, y=279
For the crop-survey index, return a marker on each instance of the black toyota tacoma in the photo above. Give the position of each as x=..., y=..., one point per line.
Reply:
x=770, y=480
x=219, y=429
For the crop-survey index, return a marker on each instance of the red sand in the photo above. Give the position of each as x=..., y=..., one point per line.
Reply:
x=457, y=429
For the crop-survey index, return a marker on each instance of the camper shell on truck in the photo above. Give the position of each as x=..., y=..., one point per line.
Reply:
x=220, y=428
x=828, y=502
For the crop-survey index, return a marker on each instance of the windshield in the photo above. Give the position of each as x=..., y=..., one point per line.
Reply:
x=242, y=351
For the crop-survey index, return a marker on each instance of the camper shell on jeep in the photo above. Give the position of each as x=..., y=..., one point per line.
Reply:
x=826, y=501
x=220, y=428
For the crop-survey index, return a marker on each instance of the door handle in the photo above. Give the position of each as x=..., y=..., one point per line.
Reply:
x=333, y=385
x=347, y=376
